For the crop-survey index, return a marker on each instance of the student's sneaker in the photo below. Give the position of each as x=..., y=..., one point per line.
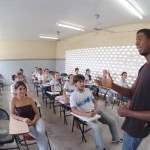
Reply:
x=120, y=141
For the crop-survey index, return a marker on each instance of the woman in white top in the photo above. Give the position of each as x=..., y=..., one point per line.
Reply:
x=46, y=77
x=68, y=89
x=35, y=73
x=88, y=78
x=56, y=85
x=122, y=82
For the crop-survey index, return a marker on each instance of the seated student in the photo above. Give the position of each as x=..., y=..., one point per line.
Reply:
x=35, y=73
x=122, y=82
x=83, y=103
x=24, y=77
x=46, y=78
x=76, y=71
x=106, y=119
x=18, y=77
x=88, y=78
x=39, y=78
x=56, y=85
x=23, y=108
x=68, y=89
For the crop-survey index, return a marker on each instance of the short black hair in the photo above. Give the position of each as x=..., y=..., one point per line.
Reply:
x=20, y=69
x=78, y=77
x=19, y=83
x=145, y=31
x=123, y=73
x=40, y=69
x=76, y=69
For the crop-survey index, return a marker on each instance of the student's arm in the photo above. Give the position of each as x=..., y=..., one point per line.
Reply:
x=80, y=113
x=52, y=88
x=64, y=92
x=96, y=108
x=124, y=111
x=36, y=111
x=65, y=96
x=44, y=80
x=122, y=90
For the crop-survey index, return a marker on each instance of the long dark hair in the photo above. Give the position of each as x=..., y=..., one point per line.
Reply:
x=19, y=83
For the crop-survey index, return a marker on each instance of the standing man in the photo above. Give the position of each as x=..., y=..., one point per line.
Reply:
x=137, y=122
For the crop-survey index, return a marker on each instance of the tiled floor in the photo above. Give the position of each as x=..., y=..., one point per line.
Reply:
x=60, y=135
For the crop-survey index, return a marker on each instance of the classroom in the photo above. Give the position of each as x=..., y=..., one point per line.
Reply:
x=50, y=46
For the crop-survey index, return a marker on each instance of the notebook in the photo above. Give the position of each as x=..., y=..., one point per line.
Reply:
x=86, y=118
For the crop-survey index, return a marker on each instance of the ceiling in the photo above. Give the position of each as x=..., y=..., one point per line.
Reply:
x=27, y=19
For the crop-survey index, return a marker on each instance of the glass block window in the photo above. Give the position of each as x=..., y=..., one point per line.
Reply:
x=116, y=59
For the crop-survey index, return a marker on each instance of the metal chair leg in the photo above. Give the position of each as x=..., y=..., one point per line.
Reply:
x=48, y=141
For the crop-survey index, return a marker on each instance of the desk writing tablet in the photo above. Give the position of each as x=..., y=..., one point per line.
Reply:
x=86, y=118
x=17, y=127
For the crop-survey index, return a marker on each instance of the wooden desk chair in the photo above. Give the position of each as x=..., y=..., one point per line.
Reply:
x=6, y=137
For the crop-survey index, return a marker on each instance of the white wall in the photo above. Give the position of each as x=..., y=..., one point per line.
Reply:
x=10, y=67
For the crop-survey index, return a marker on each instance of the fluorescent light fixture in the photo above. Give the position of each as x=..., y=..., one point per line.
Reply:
x=68, y=25
x=48, y=37
x=136, y=5
x=131, y=7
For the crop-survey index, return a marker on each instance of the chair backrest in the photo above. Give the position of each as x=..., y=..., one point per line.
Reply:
x=3, y=114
